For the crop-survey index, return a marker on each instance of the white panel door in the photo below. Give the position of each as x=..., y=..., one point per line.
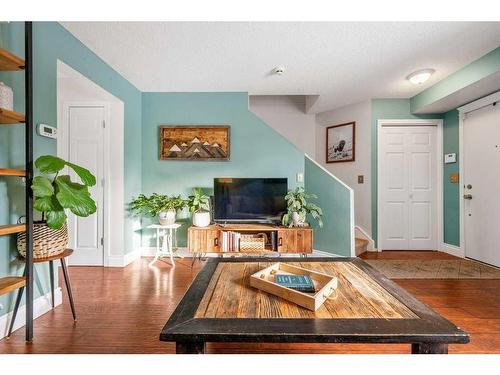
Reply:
x=86, y=149
x=408, y=182
x=481, y=161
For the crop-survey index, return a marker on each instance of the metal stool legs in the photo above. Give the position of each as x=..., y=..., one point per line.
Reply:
x=68, y=288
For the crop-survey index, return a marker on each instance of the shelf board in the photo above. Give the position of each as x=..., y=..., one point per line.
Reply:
x=10, y=117
x=10, y=283
x=12, y=228
x=12, y=172
x=9, y=61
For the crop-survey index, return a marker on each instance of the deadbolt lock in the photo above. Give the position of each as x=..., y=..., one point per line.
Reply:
x=467, y=196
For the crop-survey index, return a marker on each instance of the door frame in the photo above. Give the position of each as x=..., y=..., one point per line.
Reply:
x=439, y=160
x=462, y=112
x=62, y=152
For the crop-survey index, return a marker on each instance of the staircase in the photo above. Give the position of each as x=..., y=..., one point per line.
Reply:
x=361, y=246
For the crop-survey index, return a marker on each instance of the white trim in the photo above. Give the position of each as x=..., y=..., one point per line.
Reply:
x=480, y=103
x=462, y=111
x=123, y=260
x=452, y=250
x=439, y=171
x=41, y=305
x=363, y=234
x=351, y=202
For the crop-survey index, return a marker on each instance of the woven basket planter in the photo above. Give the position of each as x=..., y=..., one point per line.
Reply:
x=47, y=242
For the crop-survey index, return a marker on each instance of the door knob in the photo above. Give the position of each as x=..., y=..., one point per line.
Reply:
x=468, y=196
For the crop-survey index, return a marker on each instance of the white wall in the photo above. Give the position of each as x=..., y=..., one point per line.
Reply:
x=349, y=171
x=286, y=114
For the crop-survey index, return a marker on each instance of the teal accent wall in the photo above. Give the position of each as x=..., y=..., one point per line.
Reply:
x=51, y=42
x=479, y=69
x=334, y=199
x=257, y=150
x=383, y=109
x=451, y=191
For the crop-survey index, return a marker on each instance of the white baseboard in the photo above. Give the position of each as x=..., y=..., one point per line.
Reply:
x=452, y=250
x=363, y=234
x=319, y=253
x=41, y=305
x=123, y=260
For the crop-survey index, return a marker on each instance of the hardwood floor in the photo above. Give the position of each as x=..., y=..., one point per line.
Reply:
x=122, y=310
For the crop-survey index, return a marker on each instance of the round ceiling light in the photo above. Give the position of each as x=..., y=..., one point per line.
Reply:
x=420, y=76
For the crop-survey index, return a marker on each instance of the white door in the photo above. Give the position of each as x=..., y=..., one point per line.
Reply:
x=85, y=137
x=407, y=182
x=481, y=163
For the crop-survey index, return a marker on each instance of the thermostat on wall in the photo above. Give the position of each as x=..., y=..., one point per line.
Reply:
x=450, y=158
x=47, y=131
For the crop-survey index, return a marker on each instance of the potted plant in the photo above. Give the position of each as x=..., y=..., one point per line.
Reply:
x=52, y=195
x=199, y=206
x=163, y=206
x=298, y=208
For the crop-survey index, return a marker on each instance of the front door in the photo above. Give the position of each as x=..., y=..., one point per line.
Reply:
x=86, y=149
x=481, y=181
x=407, y=182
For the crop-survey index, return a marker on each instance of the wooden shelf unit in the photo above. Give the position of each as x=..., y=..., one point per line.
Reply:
x=8, y=117
x=11, y=283
x=12, y=229
x=10, y=62
x=288, y=240
x=12, y=172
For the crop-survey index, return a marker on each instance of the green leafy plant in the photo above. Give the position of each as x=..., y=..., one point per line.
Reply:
x=53, y=195
x=296, y=201
x=198, y=201
x=155, y=203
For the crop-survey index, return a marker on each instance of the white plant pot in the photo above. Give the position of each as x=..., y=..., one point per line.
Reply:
x=201, y=219
x=297, y=220
x=167, y=217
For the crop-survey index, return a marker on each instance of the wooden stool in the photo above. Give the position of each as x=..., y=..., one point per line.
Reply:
x=64, y=254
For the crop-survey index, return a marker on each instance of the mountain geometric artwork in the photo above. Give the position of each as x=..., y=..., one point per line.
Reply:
x=194, y=142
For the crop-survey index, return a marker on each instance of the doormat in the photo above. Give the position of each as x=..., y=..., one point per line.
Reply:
x=434, y=269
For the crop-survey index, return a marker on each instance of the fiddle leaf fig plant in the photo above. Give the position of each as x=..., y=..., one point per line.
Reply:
x=55, y=194
x=296, y=201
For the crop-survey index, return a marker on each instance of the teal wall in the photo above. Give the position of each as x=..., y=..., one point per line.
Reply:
x=479, y=69
x=387, y=109
x=451, y=194
x=334, y=199
x=50, y=43
x=257, y=150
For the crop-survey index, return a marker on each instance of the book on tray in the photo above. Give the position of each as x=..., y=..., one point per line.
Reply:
x=300, y=283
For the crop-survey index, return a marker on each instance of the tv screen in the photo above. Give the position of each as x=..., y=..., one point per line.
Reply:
x=249, y=199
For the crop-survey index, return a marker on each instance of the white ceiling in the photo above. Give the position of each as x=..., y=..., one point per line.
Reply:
x=342, y=62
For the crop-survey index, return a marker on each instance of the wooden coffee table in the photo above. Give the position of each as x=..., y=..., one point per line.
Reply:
x=220, y=306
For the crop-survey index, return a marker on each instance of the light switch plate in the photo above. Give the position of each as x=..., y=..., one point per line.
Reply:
x=300, y=177
x=361, y=179
x=450, y=158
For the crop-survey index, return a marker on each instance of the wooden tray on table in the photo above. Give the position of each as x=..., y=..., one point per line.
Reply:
x=325, y=285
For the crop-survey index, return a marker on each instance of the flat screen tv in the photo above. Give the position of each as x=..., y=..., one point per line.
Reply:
x=260, y=200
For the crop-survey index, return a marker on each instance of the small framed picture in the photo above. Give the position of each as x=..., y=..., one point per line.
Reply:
x=340, y=142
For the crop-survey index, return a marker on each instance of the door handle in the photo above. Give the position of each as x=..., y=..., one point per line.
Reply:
x=468, y=196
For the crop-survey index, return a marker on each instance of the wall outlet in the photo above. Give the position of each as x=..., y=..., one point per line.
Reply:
x=361, y=179
x=300, y=177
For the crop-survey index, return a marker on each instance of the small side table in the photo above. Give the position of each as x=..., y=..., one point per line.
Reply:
x=66, y=253
x=168, y=232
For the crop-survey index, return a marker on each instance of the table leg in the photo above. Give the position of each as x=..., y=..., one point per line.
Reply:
x=429, y=348
x=170, y=247
x=157, y=254
x=190, y=347
x=16, y=306
x=51, y=274
x=68, y=287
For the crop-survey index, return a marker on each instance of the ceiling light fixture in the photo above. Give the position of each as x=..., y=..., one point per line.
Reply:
x=420, y=76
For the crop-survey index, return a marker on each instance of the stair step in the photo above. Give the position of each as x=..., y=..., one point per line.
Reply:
x=361, y=245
